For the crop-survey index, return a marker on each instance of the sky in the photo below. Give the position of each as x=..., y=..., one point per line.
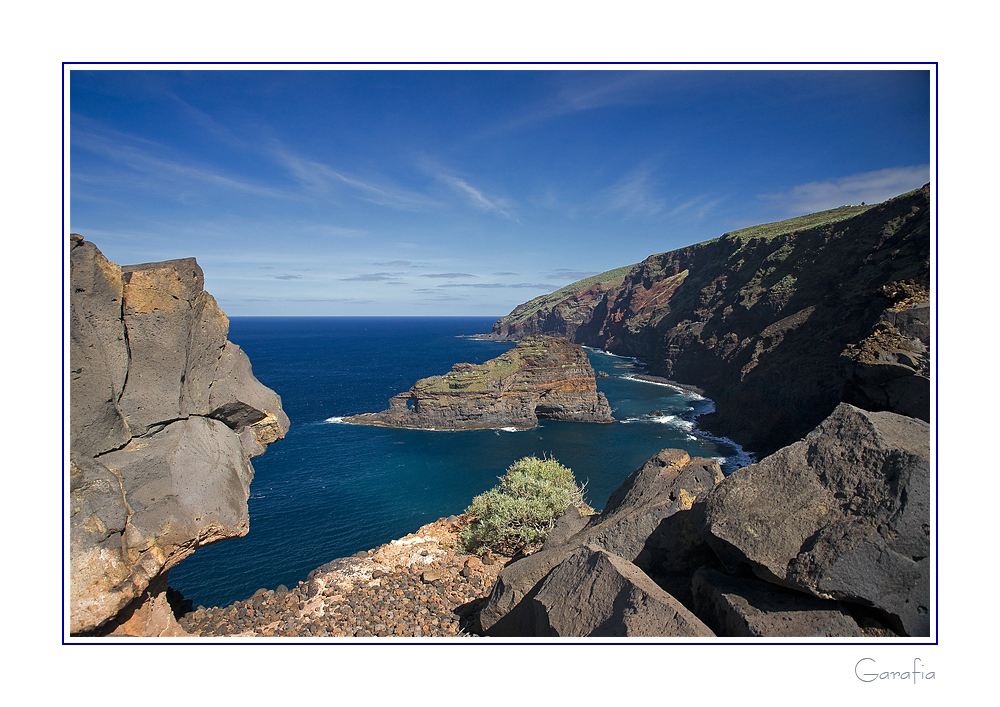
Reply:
x=345, y=191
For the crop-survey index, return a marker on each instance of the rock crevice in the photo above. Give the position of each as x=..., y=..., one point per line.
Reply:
x=165, y=415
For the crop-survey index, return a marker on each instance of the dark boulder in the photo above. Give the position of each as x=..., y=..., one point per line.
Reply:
x=842, y=514
x=639, y=525
x=742, y=607
x=597, y=594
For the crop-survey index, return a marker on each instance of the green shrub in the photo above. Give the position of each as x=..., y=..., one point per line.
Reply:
x=517, y=514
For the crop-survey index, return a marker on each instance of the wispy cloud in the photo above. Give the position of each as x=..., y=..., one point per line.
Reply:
x=209, y=124
x=386, y=277
x=499, y=285
x=870, y=187
x=696, y=208
x=636, y=194
x=118, y=150
x=472, y=195
x=319, y=177
x=450, y=275
x=477, y=198
x=582, y=92
x=288, y=277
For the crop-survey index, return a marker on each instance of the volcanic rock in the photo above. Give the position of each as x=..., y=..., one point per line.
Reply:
x=164, y=417
x=645, y=522
x=741, y=607
x=842, y=514
x=595, y=593
x=771, y=321
x=541, y=378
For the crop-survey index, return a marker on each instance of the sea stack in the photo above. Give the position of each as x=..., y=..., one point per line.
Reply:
x=542, y=377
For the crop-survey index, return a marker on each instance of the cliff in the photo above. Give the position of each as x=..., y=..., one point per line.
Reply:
x=165, y=415
x=540, y=378
x=778, y=323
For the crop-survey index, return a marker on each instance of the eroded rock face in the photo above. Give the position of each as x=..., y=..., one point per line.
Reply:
x=890, y=369
x=759, y=318
x=164, y=417
x=842, y=514
x=541, y=378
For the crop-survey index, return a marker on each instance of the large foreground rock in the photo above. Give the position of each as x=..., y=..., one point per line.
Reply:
x=645, y=524
x=165, y=415
x=595, y=593
x=842, y=514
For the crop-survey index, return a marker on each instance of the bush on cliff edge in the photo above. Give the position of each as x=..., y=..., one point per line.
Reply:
x=517, y=514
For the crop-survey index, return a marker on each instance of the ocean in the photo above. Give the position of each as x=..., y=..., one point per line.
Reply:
x=331, y=489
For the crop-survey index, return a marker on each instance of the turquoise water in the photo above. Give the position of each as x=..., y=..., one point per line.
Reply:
x=330, y=489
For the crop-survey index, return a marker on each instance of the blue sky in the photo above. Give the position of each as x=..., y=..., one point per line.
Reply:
x=466, y=192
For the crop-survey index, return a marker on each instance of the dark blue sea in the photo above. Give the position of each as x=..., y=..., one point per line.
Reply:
x=331, y=489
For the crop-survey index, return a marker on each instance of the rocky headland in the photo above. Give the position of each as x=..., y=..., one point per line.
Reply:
x=165, y=415
x=778, y=323
x=543, y=377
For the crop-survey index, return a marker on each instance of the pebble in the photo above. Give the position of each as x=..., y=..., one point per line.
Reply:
x=416, y=601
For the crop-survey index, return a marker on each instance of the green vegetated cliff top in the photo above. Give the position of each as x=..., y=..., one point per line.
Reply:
x=798, y=223
x=741, y=237
x=481, y=378
x=608, y=279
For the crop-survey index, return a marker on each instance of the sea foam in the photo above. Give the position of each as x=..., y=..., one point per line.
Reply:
x=689, y=394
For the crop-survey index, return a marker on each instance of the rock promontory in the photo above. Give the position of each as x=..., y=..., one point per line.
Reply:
x=165, y=414
x=542, y=377
x=777, y=323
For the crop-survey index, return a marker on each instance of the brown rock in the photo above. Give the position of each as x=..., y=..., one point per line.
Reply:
x=541, y=378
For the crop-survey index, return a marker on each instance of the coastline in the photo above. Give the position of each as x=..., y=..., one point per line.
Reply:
x=416, y=586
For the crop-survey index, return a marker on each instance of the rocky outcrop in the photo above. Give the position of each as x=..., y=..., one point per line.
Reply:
x=890, y=368
x=842, y=514
x=541, y=378
x=778, y=323
x=165, y=415
x=826, y=537
x=644, y=529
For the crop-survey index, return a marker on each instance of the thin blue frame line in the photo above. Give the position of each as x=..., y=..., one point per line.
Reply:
x=937, y=357
x=505, y=63
x=473, y=641
x=62, y=358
